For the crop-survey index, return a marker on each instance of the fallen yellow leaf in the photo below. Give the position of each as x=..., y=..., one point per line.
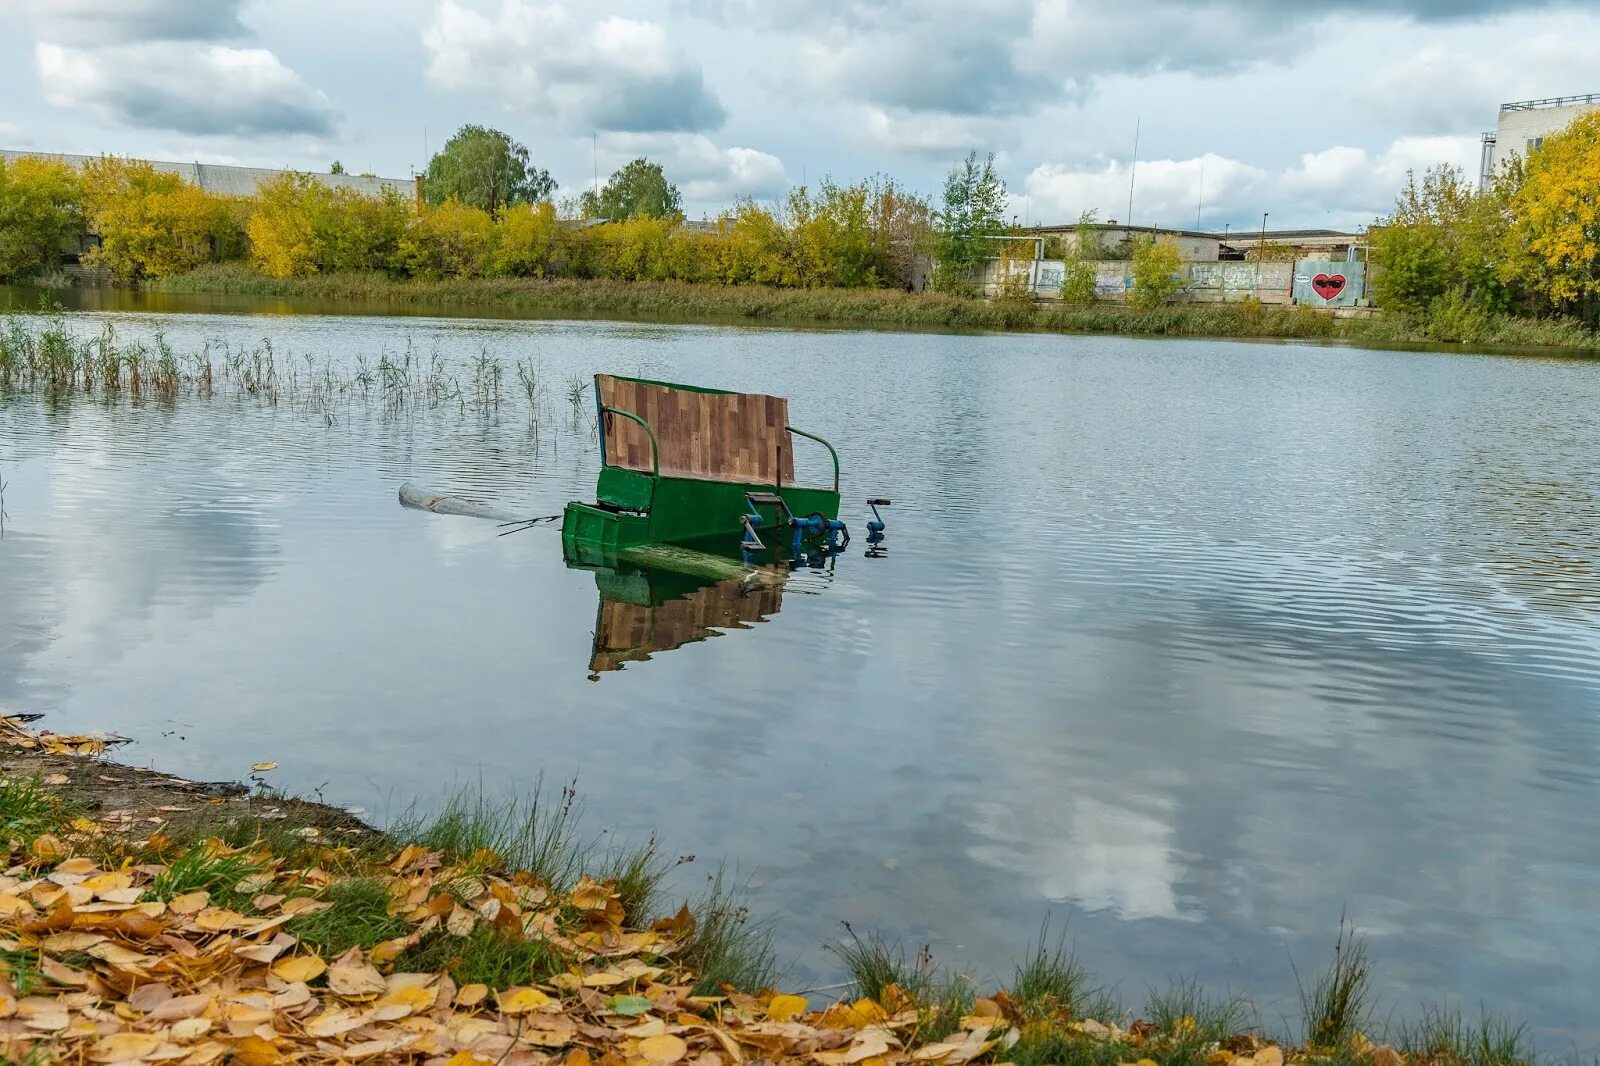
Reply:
x=783, y=1008
x=471, y=995
x=663, y=1049
x=263, y=767
x=120, y=1047
x=521, y=1000
x=299, y=968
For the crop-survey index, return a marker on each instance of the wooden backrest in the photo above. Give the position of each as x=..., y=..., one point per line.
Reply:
x=703, y=433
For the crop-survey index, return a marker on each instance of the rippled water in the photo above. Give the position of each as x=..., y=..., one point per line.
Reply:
x=1194, y=644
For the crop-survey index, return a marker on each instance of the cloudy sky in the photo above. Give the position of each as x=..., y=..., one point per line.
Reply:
x=1312, y=111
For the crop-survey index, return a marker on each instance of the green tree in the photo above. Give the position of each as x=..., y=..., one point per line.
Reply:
x=41, y=210
x=337, y=168
x=1156, y=263
x=638, y=190
x=973, y=211
x=1078, y=274
x=1444, y=238
x=486, y=169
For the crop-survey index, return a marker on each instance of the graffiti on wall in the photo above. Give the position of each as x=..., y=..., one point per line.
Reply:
x=1325, y=283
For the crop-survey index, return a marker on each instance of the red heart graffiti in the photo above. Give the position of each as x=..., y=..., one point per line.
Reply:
x=1328, y=286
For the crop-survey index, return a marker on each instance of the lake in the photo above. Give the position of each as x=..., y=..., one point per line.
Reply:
x=1190, y=645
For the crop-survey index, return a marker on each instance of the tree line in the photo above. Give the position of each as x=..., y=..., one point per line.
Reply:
x=1529, y=244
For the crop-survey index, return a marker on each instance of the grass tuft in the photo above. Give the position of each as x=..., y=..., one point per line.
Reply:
x=874, y=965
x=639, y=872
x=1444, y=1038
x=485, y=956
x=532, y=833
x=1339, y=1005
x=1190, y=1023
x=360, y=915
x=727, y=947
x=1051, y=983
x=203, y=867
x=28, y=809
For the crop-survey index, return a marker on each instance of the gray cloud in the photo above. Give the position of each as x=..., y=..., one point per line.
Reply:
x=184, y=86
x=943, y=58
x=109, y=22
x=614, y=74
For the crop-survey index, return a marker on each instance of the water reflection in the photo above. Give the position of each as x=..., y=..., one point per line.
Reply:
x=645, y=611
x=1195, y=644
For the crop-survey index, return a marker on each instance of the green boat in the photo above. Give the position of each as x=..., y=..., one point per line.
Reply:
x=697, y=467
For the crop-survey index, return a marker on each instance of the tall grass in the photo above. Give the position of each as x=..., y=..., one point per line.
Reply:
x=889, y=308
x=1050, y=982
x=1338, y=1004
x=729, y=948
x=43, y=354
x=1441, y=1036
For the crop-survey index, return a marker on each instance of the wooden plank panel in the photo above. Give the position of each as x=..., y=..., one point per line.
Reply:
x=740, y=437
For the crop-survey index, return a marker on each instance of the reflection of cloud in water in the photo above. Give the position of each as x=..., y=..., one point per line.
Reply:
x=94, y=570
x=1084, y=851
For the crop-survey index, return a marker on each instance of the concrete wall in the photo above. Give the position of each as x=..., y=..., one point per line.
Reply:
x=1520, y=125
x=240, y=181
x=1202, y=282
x=1342, y=284
x=1272, y=282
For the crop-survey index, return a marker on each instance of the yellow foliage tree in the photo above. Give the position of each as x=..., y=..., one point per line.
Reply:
x=452, y=240
x=40, y=213
x=527, y=241
x=1557, y=218
x=301, y=226
x=153, y=224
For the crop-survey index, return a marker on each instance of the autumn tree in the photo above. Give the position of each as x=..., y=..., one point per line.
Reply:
x=486, y=169
x=638, y=190
x=973, y=211
x=153, y=224
x=41, y=211
x=299, y=225
x=1156, y=262
x=453, y=240
x=1557, y=219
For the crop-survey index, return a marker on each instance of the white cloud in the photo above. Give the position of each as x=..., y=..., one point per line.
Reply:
x=188, y=87
x=1449, y=87
x=1339, y=186
x=706, y=174
x=123, y=21
x=613, y=74
x=938, y=135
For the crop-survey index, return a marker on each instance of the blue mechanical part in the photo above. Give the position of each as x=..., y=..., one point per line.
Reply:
x=875, y=527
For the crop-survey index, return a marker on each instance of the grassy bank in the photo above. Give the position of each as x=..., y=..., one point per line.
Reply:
x=886, y=308
x=501, y=933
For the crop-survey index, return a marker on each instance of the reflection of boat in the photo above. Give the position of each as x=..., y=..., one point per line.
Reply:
x=649, y=609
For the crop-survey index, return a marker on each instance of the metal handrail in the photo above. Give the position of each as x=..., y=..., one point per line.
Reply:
x=655, y=446
x=825, y=444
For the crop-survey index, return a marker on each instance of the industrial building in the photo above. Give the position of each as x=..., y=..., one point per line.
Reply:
x=1524, y=125
x=238, y=181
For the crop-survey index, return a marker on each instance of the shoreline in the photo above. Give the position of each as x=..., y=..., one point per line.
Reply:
x=880, y=309
x=144, y=917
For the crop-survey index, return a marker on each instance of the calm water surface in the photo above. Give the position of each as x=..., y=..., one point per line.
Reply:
x=1192, y=644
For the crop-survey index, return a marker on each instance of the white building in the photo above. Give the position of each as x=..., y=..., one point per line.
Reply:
x=1524, y=125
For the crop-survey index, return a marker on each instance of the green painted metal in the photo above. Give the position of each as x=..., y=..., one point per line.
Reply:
x=624, y=489
x=655, y=446
x=825, y=444
x=634, y=509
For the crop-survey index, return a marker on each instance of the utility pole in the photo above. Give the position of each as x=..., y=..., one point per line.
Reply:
x=1200, y=206
x=1261, y=249
x=1133, y=170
